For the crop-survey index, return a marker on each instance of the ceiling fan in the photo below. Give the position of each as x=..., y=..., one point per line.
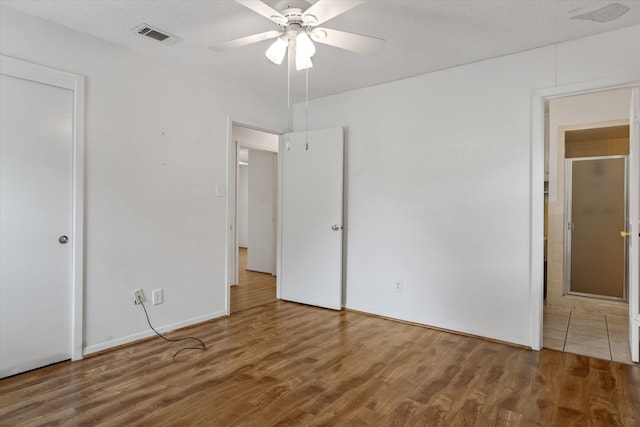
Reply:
x=298, y=29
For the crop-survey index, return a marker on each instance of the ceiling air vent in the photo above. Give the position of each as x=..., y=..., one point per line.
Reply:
x=163, y=37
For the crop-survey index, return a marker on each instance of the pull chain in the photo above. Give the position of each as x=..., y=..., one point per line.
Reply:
x=306, y=110
x=289, y=56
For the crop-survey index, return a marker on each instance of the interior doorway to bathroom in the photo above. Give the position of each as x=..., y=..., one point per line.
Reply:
x=585, y=307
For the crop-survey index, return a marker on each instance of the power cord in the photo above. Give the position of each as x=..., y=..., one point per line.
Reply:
x=172, y=339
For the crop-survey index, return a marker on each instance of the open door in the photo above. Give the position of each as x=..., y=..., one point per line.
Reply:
x=633, y=229
x=311, y=218
x=261, y=255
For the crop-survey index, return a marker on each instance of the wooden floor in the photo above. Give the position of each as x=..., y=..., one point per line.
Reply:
x=253, y=288
x=288, y=364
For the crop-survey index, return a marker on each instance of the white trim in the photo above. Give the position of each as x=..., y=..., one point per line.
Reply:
x=149, y=333
x=624, y=80
x=451, y=326
x=78, y=221
x=41, y=74
x=539, y=97
x=536, y=267
x=634, y=222
x=254, y=145
x=279, y=168
x=38, y=73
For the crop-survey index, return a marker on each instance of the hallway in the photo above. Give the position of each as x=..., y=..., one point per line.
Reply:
x=253, y=288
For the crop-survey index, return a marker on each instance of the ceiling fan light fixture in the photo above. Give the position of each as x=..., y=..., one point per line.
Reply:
x=305, y=49
x=303, y=62
x=304, y=45
x=277, y=51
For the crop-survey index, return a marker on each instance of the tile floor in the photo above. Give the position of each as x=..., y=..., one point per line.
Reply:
x=590, y=334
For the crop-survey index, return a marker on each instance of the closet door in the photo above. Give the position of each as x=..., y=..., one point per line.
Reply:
x=36, y=208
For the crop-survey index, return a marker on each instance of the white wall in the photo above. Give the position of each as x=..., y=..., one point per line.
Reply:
x=438, y=183
x=156, y=146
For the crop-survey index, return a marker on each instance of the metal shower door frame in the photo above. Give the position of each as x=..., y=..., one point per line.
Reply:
x=566, y=290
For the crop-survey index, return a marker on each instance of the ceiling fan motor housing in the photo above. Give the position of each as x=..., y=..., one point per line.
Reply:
x=293, y=15
x=292, y=4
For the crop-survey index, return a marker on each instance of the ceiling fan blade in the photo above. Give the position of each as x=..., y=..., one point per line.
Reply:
x=323, y=10
x=349, y=41
x=243, y=41
x=264, y=10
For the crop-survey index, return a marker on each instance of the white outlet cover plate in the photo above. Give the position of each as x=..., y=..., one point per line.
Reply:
x=157, y=296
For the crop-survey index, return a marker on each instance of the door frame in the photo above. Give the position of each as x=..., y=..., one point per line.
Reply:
x=231, y=258
x=536, y=262
x=38, y=73
x=568, y=235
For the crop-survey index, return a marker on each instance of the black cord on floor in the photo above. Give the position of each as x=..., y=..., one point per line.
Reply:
x=173, y=339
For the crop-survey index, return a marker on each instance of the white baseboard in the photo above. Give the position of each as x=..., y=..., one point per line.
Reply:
x=442, y=325
x=146, y=334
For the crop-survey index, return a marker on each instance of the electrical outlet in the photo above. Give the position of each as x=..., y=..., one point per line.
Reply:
x=397, y=286
x=138, y=296
x=156, y=296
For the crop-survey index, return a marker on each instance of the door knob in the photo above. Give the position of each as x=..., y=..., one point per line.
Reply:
x=625, y=234
x=63, y=239
x=335, y=227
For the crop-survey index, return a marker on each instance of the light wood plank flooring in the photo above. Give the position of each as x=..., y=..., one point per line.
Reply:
x=287, y=364
x=253, y=288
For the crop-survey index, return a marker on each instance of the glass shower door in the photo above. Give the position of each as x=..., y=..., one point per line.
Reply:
x=596, y=212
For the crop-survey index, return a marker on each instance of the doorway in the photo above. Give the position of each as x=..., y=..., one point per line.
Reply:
x=252, y=277
x=585, y=309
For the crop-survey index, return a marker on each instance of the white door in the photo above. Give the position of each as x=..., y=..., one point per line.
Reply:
x=311, y=218
x=633, y=228
x=36, y=199
x=261, y=254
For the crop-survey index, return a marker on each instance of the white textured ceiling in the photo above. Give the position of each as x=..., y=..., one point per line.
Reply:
x=421, y=35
